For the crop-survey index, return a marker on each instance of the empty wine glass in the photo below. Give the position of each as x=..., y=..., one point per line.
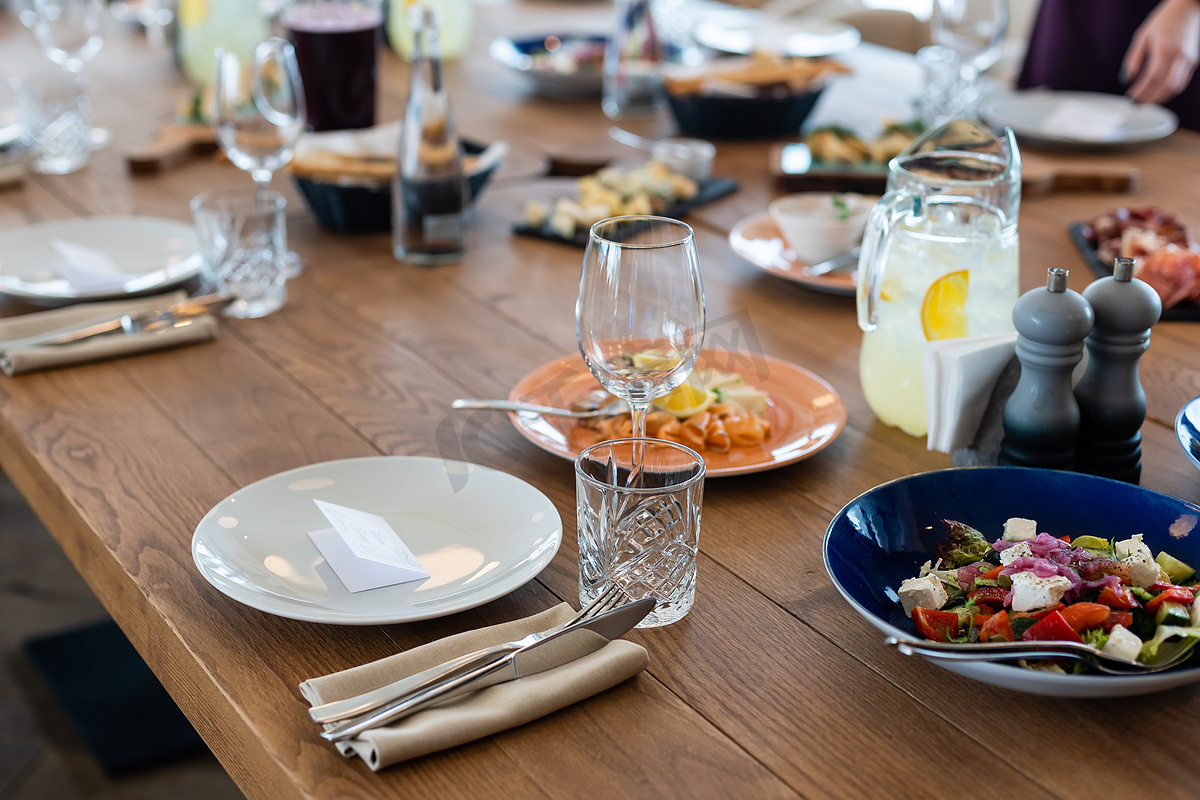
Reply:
x=974, y=29
x=69, y=32
x=258, y=112
x=640, y=313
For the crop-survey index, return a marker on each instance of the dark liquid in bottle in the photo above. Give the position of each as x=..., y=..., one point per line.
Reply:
x=433, y=223
x=337, y=50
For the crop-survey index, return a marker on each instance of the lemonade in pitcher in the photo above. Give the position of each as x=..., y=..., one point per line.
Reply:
x=939, y=261
x=944, y=281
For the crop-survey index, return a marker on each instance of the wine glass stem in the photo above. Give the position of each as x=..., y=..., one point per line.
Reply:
x=638, y=412
x=262, y=180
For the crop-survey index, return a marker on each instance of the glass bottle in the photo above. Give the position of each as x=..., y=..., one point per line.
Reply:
x=631, y=62
x=429, y=194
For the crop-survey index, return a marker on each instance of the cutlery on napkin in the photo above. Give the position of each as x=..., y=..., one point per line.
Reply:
x=19, y=356
x=480, y=713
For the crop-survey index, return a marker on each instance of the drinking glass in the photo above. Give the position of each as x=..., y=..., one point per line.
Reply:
x=642, y=538
x=975, y=30
x=639, y=318
x=337, y=49
x=244, y=242
x=259, y=112
x=69, y=32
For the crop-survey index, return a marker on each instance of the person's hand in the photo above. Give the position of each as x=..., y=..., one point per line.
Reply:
x=1164, y=52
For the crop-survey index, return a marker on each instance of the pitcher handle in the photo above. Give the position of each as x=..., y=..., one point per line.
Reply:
x=891, y=209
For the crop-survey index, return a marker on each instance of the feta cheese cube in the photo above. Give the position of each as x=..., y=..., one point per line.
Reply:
x=1122, y=644
x=1018, y=530
x=1018, y=550
x=1137, y=557
x=924, y=592
x=1030, y=591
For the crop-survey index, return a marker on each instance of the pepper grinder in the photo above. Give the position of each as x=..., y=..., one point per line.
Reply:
x=1041, y=417
x=1112, y=404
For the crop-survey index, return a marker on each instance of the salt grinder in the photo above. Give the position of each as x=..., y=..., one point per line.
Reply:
x=1041, y=417
x=1112, y=404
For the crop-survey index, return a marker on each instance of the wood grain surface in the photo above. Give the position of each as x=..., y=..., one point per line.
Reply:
x=771, y=687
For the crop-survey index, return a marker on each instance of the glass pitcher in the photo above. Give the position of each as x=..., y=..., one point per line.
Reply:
x=939, y=260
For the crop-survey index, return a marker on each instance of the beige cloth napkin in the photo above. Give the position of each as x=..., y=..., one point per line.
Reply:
x=18, y=362
x=481, y=713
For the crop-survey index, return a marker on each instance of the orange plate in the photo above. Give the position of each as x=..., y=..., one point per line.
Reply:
x=805, y=412
x=757, y=239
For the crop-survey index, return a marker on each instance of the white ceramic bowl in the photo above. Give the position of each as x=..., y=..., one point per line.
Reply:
x=690, y=157
x=812, y=226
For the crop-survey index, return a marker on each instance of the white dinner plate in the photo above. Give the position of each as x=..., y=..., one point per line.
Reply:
x=152, y=254
x=1028, y=111
x=747, y=31
x=478, y=532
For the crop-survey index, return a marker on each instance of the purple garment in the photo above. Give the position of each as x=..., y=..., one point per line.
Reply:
x=1078, y=45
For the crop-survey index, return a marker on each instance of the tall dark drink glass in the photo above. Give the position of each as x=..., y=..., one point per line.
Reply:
x=337, y=48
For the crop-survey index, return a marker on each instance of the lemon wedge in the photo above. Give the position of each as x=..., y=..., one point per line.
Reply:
x=686, y=400
x=944, y=311
x=652, y=360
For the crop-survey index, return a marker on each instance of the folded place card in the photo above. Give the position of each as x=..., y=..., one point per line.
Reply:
x=87, y=268
x=363, y=550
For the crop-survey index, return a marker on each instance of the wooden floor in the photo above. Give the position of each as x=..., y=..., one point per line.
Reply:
x=41, y=757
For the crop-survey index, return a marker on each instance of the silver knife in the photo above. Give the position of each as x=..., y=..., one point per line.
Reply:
x=559, y=648
x=191, y=307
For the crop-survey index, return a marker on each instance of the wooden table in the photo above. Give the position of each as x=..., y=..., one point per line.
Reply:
x=771, y=687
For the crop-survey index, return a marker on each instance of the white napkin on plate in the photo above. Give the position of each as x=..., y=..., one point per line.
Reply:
x=960, y=375
x=86, y=268
x=1088, y=121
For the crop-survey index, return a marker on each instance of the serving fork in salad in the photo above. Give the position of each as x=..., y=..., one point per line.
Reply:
x=1170, y=653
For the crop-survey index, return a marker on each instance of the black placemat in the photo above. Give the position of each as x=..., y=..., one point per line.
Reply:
x=122, y=713
x=1186, y=311
x=708, y=190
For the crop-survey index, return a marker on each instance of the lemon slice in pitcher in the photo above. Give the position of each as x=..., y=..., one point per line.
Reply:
x=944, y=311
x=686, y=400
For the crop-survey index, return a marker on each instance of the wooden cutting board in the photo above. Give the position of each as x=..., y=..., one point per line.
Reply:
x=173, y=144
x=1040, y=174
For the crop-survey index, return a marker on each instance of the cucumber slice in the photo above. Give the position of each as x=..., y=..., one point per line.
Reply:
x=1173, y=614
x=1176, y=570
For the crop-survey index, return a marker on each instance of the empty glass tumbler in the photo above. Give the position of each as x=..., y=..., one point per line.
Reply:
x=642, y=534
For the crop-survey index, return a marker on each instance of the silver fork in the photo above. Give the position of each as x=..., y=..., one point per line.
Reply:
x=1170, y=654
x=608, y=410
x=350, y=707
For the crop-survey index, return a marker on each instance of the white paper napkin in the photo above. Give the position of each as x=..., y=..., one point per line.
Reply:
x=86, y=268
x=379, y=141
x=1087, y=121
x=959, y=377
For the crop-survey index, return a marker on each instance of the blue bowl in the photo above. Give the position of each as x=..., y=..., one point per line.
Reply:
x=770, y=116
x=362, y=208
x=885, y=535
x=1187, y=428
x=564, y=65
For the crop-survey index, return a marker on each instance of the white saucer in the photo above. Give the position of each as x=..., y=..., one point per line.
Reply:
x=151, y=253
x=1027, y=112
x=480, y=534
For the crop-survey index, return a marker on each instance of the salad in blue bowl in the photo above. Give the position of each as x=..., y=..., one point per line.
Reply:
x=1083, y=534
